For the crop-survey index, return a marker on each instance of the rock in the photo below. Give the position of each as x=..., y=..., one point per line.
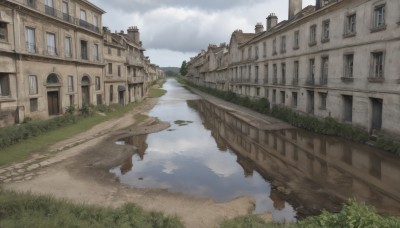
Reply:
x=32, y=167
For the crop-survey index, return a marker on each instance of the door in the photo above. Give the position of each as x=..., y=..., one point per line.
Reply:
x=53, y=103
x=121, y=98
x=85, y=95
x=376, y=114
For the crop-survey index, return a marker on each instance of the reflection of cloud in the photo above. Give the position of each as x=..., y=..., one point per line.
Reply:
x=220, y=166
x=169, y=167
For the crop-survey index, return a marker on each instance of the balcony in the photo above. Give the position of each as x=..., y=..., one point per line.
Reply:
x=30, y=47
x=53, y=12
x=51, y=50
x=132, y=61
x=136, y=80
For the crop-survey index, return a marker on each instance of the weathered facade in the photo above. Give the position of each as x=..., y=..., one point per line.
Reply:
x=53, y=56
x=337, y=59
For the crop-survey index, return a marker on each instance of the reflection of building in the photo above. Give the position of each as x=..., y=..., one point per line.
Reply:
x=247, y=166
x=279, y=202
x=319, y=171
x=335, y=59
x=51, y=57
x=139, y=141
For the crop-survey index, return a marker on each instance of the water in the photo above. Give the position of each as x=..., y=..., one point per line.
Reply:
x=207, y=152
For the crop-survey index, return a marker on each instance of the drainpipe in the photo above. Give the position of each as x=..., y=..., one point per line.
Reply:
x=17, y=66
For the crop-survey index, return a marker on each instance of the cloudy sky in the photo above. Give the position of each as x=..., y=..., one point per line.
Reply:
x=175, y=30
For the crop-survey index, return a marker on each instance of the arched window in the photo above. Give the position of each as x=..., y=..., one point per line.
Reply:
x=85, y=81
x=52, y=79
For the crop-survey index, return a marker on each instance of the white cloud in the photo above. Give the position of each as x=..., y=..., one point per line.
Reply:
x=188, y=26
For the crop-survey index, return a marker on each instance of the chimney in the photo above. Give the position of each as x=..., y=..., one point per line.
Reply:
x=272, y=21
x=295, y=7
x=318, y=4
x=259, y=28
x=133, y=34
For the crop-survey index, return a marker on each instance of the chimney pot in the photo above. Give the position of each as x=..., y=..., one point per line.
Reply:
x=295, y=6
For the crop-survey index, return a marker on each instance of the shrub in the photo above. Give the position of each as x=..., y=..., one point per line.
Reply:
x=86, y=110
x=70, y=110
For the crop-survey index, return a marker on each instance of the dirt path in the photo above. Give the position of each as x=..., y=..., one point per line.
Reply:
x=78, y=169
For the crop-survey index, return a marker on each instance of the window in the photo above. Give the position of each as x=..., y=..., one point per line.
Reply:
x=83, y=15
x=99, y=99
x=95, y=21
x=377, y=66
x=84, y=50
x=283, y=97
x=67, y=47
x=48, y=6
x=283, y=66
x=109, y=50
x=70, y=83
x=322, y=98
x=350, y=26
x=313, y=35
x=98, y=85
x=3, y=31
x=51, y=43
x=65, y=11
x=311, y=69
x=266, y=74
x=348, y=65
x=30, y=40
x=264, y=49
x=294, y=99
x=274, y=47
x=256, y=50
x=324, y=71
x=111, y=93
x=296, y=40
x=31, y=3
x=242, y=54
x=256, y=69
x=96, y=52
x=275, y=79
x=296, y=73
x=119, y=71
x=71, y=100
x=249, y=53
x=33, y=103
x=274, y=96
x=325, y=31
x=283, y=44
x=33, y=85
x=379, y=17
x=119, y=52
x=110, y=71
x=4, y=85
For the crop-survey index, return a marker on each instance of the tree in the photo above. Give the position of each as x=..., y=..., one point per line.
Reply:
x=183, y=69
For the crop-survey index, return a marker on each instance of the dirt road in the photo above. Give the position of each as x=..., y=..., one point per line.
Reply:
x=77, y=169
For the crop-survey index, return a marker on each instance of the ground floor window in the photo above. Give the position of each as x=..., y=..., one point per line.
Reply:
x=71, y=100
x=4, y=85
x=99, y=99
x=33, y=102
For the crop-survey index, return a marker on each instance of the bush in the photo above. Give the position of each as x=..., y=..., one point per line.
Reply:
x=70, y=110
x=86, y=110
x=352, y=215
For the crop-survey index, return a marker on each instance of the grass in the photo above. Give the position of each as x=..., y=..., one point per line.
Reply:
x=24, y=149
x=141, y=117
x=353, y=215
x=156, y=92
x=26, y=210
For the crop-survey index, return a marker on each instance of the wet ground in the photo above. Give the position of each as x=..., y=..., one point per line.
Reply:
x=210, y=152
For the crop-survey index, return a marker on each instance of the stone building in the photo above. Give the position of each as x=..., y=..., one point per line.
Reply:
x=337, y=58
x=53, y=54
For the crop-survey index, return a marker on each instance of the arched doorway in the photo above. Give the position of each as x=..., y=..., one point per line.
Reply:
x=85, y=85
x=53, y=94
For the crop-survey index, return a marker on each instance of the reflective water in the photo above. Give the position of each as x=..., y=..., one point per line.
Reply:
x=208, y=152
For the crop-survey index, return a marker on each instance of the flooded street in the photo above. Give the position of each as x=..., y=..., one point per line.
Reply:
x=209, y=152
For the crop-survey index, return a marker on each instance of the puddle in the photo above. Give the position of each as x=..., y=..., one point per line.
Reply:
x=291, y=173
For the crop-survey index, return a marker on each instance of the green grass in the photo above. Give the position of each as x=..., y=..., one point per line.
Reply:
x=26, y=210
x=155, y=92
x=353, y=215
x=23, y=150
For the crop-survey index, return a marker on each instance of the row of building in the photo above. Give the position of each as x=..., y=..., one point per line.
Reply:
x=336, y=59
x=56, y=53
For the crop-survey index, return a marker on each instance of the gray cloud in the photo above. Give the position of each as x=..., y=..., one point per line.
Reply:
x=147, y=5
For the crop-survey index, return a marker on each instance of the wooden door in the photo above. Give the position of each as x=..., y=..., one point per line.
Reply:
x=53, y=103
x=85, y=95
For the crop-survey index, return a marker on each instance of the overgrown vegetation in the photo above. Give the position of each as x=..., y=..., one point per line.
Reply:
x=26, y=210
x=352, y=215
x=327, y=126
x=18, y=142
x=156, y=92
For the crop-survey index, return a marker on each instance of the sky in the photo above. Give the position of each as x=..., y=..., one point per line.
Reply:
x=175, y=30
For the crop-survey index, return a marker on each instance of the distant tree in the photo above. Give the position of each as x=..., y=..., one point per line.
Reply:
x=183, y=71
x=171, y=73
